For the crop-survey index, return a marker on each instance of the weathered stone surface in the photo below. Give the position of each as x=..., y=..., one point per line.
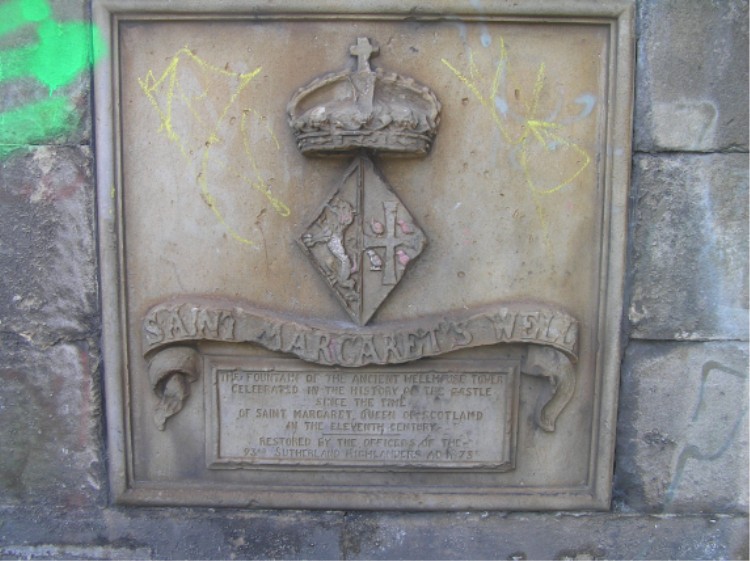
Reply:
x=682, y=443
x=536, y=536
x=692, y=75
x=47, y=247
x=172, y=534
x=231, y=534
x=50, y=551
x=50, y=425
x=214, y=190
x=51, y=459
x=690, y=249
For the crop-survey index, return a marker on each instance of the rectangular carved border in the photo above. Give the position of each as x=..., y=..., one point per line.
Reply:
x=619, y=15
x=508, y=369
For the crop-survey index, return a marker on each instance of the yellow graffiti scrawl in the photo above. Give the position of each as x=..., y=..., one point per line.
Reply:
x=168, y=90
x=534, y=132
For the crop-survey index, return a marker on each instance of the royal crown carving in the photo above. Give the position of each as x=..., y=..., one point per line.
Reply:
x=364, y=108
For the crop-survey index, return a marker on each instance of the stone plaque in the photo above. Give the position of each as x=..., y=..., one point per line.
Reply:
x=431, y=414
x=363, y=256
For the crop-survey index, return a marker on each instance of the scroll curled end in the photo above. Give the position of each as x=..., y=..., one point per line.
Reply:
x=171, y=371
x=551, y=363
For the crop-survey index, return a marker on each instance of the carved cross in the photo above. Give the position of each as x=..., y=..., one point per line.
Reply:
x=389, y=241
x=363, y=50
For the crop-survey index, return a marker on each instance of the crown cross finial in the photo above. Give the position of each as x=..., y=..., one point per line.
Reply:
x=363, y=50
x=367, y=109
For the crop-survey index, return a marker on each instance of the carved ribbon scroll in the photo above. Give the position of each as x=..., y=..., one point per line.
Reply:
x=550, y=333
x=171, y=372
x=551, y=363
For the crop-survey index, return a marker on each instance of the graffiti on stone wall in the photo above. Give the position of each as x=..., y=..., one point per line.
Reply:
x=535, y=134
x=198, y=105
x=709, y=441
x=58, y=53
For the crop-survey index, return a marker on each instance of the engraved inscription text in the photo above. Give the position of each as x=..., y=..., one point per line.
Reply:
x=428, y=416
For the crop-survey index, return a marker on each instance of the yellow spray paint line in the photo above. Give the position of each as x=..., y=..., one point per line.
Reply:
x=529, y=126
x=269, y=129
x=189, y=104
x=261, y=185
x=150, y=85
x=245, y=79
x=468, y=83
x=532, y=128
x=211, y=202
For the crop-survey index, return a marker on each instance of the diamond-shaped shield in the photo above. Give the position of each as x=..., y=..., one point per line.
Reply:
x=362, y=240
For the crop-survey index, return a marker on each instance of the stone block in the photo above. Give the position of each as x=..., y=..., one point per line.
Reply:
x=692, y=76
x=493, y=535
x=73, y=552
x=50, y=412
x=46, y=83
x=171, y=534
x=232, y=534
x=690, y=247
x=47, y=245
x=682, y=442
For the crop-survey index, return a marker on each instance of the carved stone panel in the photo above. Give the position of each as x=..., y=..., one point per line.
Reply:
x=427, y=414
x=363, y=256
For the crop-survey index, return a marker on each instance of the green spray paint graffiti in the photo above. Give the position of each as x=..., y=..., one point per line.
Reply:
x=62, y=51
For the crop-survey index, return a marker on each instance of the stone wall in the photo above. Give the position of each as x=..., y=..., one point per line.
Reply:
x=681, y=481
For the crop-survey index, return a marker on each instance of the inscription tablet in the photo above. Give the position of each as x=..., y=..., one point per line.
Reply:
x=363, y=255
x=444, y=415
